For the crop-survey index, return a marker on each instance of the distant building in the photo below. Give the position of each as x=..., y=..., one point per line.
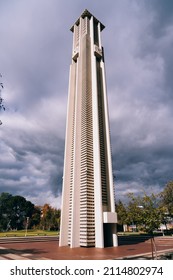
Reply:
x=88, y=209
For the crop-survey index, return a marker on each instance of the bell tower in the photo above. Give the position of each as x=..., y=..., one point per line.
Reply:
x=88, y=209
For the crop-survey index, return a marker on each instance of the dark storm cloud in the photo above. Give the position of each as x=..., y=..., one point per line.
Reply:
x=34, y=59
x=33, y=52
x=140, y=98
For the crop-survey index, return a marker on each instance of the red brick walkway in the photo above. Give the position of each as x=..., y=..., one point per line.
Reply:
x=51, y=250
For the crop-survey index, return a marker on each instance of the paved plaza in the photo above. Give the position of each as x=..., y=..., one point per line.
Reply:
x=51, y=251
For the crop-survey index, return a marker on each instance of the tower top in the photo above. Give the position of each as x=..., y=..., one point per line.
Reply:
x=86, y=13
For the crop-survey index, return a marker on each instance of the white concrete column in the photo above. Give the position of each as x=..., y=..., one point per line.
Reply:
x=109, y=154
x=99, y=35
x=64, y=226
x=108, y=146
x=99, y=238
x=75, y=220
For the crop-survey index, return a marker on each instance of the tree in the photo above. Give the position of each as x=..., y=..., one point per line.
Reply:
x=153, y=212
x=36, y=217
x=121, y=213
x=167, y=198
x=50, y=219
x=5, y=211
x=134, y=213
x=13, y=211
x=21, y=210
x=145, y=212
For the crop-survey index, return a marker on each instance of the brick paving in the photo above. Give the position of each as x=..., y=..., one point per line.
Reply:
x=51, y=250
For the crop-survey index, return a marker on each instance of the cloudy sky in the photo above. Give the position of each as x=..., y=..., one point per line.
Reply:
x=35, y=54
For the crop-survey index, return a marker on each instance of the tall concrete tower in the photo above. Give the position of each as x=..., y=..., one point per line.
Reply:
x=88, y=210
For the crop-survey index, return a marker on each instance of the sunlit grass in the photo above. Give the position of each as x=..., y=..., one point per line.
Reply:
x=30, y=232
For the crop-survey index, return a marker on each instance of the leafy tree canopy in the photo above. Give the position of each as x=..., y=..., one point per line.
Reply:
x=13, y=211
x=146, y=212
x=50, y=219
x=167, y=198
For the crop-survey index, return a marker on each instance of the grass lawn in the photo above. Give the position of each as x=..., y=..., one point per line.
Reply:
x=30, y=232
x=130, y=233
